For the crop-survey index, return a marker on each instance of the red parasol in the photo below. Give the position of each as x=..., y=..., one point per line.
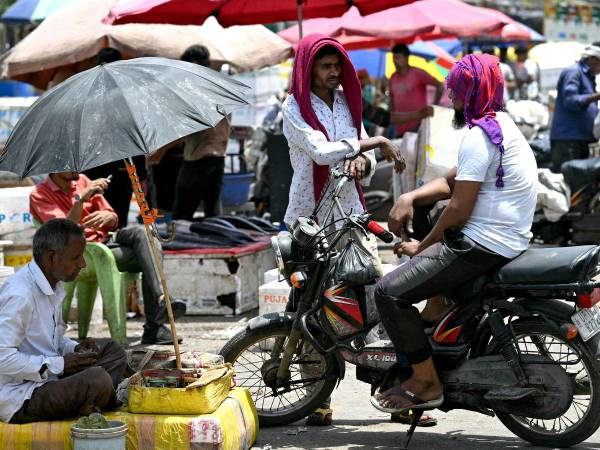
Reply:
x=425, y=19
x=238, y=12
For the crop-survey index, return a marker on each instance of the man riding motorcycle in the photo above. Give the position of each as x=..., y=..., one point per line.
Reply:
x=487, y=223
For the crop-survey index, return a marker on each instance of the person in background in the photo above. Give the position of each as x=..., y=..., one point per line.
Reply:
x=119, y=191
x=69, y=195
x=200, y=178
x=369, y=94
x=510, y=83
x=527, y=75
x=575, y=109
x=408, y=88
x=44, y=375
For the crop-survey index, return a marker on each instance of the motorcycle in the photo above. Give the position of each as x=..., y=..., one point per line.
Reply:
x=512, y=346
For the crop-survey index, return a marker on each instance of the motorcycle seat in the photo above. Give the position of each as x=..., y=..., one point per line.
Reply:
x=557, y=265
x=579, y=172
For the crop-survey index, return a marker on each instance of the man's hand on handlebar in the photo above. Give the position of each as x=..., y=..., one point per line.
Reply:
x=401, y=217
x=358, y=167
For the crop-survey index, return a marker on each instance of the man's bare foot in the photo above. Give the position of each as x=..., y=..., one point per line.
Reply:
x=410, y=394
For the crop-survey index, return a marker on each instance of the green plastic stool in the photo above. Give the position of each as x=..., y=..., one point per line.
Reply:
x=101, y=272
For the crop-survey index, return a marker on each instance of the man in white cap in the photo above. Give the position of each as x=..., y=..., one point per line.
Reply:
x=576, y=108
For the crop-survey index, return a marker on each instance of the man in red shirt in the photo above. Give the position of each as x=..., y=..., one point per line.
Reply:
x=73, y=196
x=408, y=88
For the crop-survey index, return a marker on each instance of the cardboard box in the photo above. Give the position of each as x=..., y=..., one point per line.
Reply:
x=218, y=283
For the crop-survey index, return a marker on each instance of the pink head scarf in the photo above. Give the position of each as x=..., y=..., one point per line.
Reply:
x=477, y=81
x=301, y=89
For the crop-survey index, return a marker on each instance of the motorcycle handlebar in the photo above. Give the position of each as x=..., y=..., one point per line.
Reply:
x=380, y=232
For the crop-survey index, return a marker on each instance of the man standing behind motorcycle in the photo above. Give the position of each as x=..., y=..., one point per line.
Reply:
x=492, y=194
x=323, y=127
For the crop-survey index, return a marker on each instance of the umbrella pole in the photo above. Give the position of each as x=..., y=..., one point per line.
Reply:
x=299, y=6
x=149, y=217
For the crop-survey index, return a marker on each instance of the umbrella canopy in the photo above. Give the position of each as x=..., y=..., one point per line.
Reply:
x=352, y=19
x=517, y=31
x=426, y=19
x=427, y=55
x=429, y=50
x=116, y=111
x=445, y=17
x=556, y=55
x=237, y=12
x=31, y=11
x=55, y=48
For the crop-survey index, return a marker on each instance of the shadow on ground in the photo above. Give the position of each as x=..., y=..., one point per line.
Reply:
x=370, y=434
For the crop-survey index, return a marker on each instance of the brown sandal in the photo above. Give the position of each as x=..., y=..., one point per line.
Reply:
x=406, y=418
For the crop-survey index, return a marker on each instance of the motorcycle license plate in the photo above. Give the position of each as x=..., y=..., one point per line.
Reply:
x=587, y=321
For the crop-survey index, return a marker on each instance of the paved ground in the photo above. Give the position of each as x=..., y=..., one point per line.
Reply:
x=357, y=424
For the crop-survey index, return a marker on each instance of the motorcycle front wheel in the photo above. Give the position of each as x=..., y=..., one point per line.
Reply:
x=582, y=418
x=309, y=382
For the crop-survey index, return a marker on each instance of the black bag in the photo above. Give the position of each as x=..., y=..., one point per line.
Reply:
x=355, y=265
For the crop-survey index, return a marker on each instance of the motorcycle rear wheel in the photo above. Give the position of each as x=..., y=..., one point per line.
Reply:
x=583, y=417
x=249, y=352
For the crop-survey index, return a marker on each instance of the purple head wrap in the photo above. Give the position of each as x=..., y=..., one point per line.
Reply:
x=477, y=81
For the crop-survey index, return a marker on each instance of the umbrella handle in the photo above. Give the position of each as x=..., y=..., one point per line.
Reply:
x=149, y=217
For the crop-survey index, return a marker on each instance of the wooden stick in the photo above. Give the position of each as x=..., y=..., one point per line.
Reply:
x=149, y=216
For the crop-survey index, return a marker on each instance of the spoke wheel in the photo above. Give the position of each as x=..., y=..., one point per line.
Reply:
x=308, y=382
x=583, y=416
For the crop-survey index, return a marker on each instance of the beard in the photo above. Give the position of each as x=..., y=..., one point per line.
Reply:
x=459, y=121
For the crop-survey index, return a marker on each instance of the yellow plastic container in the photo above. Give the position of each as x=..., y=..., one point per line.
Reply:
x=165, y=400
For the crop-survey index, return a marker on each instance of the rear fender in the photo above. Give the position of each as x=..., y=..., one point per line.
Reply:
x=287, y=318
x=556, y=310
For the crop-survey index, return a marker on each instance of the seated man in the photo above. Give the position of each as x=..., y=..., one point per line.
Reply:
x=73, y=196
x=44, y=375
x=492, y=194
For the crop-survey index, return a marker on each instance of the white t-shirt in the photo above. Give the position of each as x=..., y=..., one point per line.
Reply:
x=502, y=217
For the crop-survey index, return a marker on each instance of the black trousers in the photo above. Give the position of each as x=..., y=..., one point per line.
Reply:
x=133, y=254
x=436, y=271
x=198, y=181
x=71, y=395
x=563, y=151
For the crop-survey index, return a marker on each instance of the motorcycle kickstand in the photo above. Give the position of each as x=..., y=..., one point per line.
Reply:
x=417, y=414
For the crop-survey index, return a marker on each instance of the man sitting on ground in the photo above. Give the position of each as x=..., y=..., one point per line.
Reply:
x=44, y=375
x=75, y=197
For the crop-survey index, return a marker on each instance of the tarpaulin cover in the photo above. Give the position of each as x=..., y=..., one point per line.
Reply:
x=233, y=426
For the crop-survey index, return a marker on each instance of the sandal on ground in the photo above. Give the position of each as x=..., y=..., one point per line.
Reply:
x=416, y=402
x=320, y=417
x=406, y=418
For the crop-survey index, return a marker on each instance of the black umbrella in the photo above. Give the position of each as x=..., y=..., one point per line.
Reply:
x=116, y=111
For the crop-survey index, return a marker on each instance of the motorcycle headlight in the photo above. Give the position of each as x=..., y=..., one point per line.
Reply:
x=278, y=257
x=282, y=246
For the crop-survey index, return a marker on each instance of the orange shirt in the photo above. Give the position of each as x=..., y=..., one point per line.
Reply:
x=409, y=91
x=48, y=201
